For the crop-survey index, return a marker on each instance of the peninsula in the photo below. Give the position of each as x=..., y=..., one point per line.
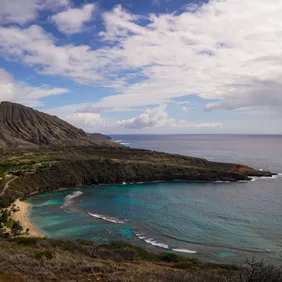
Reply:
x=40, y=152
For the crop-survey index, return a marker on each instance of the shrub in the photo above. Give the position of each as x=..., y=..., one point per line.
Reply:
x=139, y=252
x=49, y=254
x=27, y=241
x=4, y=216
x=258, y=271
x=171, y=257
x=16, y=229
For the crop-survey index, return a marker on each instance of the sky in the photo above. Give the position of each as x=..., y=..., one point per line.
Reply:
x=146, y=66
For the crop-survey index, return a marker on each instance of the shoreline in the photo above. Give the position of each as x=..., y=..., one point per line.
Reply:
x=24, y=218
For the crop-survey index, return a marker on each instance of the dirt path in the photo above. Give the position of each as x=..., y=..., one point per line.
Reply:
x=6, y=186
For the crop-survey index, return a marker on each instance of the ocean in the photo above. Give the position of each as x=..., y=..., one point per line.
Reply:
x=215, y=222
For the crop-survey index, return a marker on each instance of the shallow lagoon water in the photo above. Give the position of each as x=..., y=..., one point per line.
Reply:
x=218, y=222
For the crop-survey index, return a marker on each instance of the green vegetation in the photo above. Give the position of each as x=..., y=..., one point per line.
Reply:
x=44, y=254
x=16, y=229
x=26, y=241
x=51, y=168
x=7, y=223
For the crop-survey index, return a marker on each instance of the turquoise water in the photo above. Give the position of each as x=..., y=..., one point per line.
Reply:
x=217, y=222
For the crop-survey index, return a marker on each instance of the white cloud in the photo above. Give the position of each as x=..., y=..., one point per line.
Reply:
x=7, y=89
x=159, y=117
x=184, y=109
x=73, y=20
x=34, y=47
x=24, y=11
x=222, y=50
x=151, y=118
x=32, y=96
x=21, y=92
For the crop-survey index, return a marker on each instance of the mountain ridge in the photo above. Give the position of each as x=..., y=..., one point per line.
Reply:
x=22, y=127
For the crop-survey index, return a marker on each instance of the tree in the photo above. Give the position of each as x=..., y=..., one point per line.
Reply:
x=4, y=216
x=17, y=229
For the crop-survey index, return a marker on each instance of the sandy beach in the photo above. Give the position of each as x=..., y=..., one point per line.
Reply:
x=23, y=217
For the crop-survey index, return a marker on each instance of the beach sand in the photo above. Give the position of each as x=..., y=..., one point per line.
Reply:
x=23, y=217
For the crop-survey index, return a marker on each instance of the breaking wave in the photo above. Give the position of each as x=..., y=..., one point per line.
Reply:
x=254, y=178
x=108, y=218
x=69, y=199
x=151, y=241
x=184, y=251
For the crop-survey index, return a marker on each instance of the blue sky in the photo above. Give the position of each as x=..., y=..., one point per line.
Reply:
x=150, y=66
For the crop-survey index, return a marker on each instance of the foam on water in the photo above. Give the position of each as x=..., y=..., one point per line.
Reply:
x=125, y=144
x=255, y=178
x=184, y=251
x=108, y=218
x=122, y=143
x=69, y=199
x=151, y=241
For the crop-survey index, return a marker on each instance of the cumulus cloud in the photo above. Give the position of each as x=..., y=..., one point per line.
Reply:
x=73, y=20
x=21, y=92
x=24, y=11
x=159, y=117
x=151, y=118
x=223, y=50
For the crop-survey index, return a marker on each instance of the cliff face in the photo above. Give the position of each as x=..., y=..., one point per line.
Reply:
x=24, y=128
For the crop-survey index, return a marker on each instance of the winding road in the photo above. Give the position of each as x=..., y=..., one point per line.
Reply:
x=6, y=186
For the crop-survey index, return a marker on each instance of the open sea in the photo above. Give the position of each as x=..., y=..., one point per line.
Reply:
x=215, y=222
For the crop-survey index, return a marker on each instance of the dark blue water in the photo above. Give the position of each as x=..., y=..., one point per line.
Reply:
x=218, y=222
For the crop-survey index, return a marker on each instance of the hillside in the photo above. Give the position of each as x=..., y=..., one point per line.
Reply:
x=99, y=136
x=24, y=128
x=34, y=259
